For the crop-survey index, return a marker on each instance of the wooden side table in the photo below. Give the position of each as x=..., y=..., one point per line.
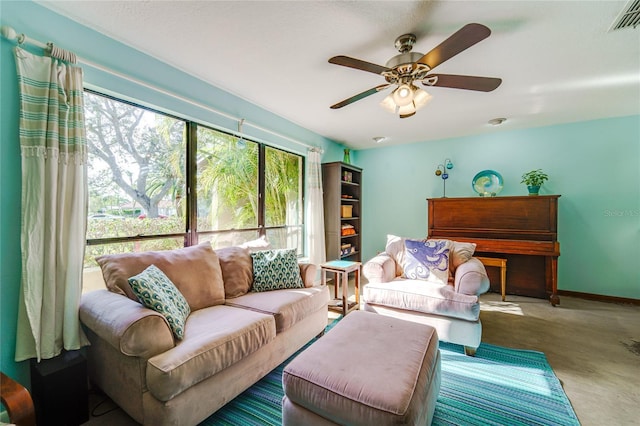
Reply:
x=502, y=264
x=342, y=269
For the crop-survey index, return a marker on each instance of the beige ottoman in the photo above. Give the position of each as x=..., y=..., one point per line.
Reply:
x=368, y=370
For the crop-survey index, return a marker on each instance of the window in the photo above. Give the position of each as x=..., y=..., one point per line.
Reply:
x=227, y=188
x=136, y=173
x=139, y=178
x=231, y=175
x=283, y=199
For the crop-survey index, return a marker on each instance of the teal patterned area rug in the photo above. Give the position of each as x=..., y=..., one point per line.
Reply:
x=499, y=386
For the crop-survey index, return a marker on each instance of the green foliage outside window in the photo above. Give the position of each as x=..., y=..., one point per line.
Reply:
x=137, y=182
x=227, y=180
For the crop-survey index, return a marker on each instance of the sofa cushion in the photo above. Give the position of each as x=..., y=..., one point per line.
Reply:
x=156, y=291
x=237, y=270
x=194, y=270
x=308, y=273
x=287, y=306
x=461, y=253
x=423, y=296
x=275, y=270
x=215, y=338
x=395, y=249
x=125, y=324
x=427, y=260
x=381, y=268
x=471, y=278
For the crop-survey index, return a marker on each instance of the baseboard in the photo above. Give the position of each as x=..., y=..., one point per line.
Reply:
x=600, y=297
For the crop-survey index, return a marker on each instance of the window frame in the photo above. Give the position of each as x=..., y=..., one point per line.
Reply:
x=191, y=234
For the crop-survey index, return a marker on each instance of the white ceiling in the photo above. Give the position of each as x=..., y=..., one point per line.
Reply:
x=558, y=60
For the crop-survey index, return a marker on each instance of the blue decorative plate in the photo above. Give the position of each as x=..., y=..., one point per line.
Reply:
x=487, y=183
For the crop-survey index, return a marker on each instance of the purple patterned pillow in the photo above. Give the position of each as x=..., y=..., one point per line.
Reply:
x=427, y=260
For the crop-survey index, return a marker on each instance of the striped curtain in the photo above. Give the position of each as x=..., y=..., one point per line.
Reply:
x=54, y=206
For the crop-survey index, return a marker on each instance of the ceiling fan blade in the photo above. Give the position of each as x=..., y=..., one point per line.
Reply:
x=346, y=61
x=360, y=96
x=467, y=82
x=461, y=40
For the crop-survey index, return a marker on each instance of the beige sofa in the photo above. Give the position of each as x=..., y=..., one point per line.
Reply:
x=231, y=339
x=451, y=306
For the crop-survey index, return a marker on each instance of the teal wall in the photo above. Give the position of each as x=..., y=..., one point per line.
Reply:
x=593, y=165
x=41, y=24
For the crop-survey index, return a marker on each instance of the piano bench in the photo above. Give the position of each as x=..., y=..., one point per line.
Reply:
x=499, y=263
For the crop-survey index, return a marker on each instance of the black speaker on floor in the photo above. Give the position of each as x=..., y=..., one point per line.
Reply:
x=59, y=389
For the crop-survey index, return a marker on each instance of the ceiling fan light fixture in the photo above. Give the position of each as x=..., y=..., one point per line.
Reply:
x=389, y=104
x=421, y=98
x=405, y=100
x=407, y=110
x=403, y=95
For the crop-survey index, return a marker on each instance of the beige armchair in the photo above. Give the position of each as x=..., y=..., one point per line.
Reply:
x=451, y=307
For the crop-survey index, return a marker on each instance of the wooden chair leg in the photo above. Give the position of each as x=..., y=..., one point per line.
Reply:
x=469, y=351
x=17, y=401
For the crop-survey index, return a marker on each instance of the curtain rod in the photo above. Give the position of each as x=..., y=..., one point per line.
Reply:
x=10, y=34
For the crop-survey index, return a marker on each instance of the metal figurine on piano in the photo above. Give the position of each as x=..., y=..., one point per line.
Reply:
x=442, y=171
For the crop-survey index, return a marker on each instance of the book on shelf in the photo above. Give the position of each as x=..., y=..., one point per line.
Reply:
x=347, y=251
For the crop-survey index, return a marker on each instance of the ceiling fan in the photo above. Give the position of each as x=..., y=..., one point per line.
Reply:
x=407, y=68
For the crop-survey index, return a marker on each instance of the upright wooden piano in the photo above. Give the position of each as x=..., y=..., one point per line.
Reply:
x=524, y=230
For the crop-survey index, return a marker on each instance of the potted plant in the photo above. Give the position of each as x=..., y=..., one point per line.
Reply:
x=534, y=179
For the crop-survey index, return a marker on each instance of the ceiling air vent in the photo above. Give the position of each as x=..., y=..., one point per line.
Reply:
x=629, y=17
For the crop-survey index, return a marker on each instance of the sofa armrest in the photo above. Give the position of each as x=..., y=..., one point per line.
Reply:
x=381, y=268
x=471, y=278
x=308, y=273
x=125, y=324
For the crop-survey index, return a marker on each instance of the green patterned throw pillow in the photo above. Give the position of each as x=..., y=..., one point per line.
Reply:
x=275, y=270
x=156, y=291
